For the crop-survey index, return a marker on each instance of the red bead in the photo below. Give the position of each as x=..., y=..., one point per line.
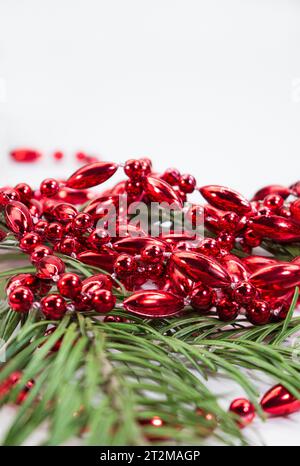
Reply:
x=18, y=218
x=273, y=202
x=171, y=176
x=209, y=247
x=49, y=267
x=259, y=313
x=25, y=155
x=244, y=409
x=133, y=168
x=53, y=306
x=160, y=191
x=276, y=228
x=102, y=260
x=21, y=299
x=92, y=174
x=96, y=282
x=230, y=221
x=135, y=245
x=226, y=240
x=187, y=183
x=39, y=253
x=82, y=222
x=29, y=241
x=272, y=189
x=125, y=265
x=49, y=187
x=244, y=293
x=236, y=269
x=133, y=188
x=69, y=285
x=295, y=210
x=227, y=310
x=113, y=319
x=98, y=238
x=154, y=271
x=7, y=195
x=254, y=263
x=226, y=199
x=179, y=283
x=251, y=238
x=277, y=276
x=148, y=303
x=74, y=196
x=203, y=299
x=64, y=212
x=69, y=246
x=152, y=253
x=35, y=208
x=201, y=268
x=54, y=231
x=278, y=401
x=83, y=303
x=40, y=227
x=103, y=301
x=24, y=191
x=58, y=155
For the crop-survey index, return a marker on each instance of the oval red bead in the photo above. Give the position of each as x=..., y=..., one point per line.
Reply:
x=25, y=155
x=18, y=218
x=276, y=228
x=160, y=191
x=225, y=199
x=148, y=303
x=254, y=263
x=235, y=267
x=49, y=267
x=278, y=401
x=271, y=189
x=201, y=269
x=102, y=260
x=92, y=174
x=135, y=245
x=277, y=277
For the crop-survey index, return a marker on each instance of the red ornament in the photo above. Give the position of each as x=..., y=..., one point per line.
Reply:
x=64, y=212
x=54, y=231
x=244, y=293
x=39, y=252
x=203, y=299
x=7, y=195
x=18, y=218
x=21, y=299
x=69, y=246
x=96, y=282
x=272, y=189
x=179, y=283
x=74, y=196
x=259, y=313
x=58, y=155
x=102, y=260
x=82, y=222
x=25, y=192
x=98, y=238
x=134, y=169
x=208, y=247
x=201, y=269
x=125, y=265
x=49, y=187
x=29, y=241
x=187, y=183
x=53, y=306
x=91, y=175
x=226, y=199
x=103, y=301
x=235, y=268
x=152, y=253
x=273, y=202
x=23, y=279
x=25, y=155
x=276, y=228
x=244, y=409
x=135, y=245
x=171, y=176
x=160, y=191
x=278, y=401
x=154, y=304
x=227, y=309
x=254, y=263
x=69, y=285
x=50, y=267
x=277, y=276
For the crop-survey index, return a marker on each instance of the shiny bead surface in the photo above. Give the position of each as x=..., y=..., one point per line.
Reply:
x=227, y=309
x=69, y=285
x=278, y=401
x=244, y=409
x=53, y=306
x=29, y=241
x=152, y=253
x=187, y=183
x=103, y=301
x=18, y=218
x=276, y=228
x=148, y=303
x=92, y=174
x=64, y=212
x=98, y=238
x=259, y=313
x=49, y=187
x=282, y=191
x=225, y=199
x=203, y=298
x=49, y=267
x=160, y=191
x=277, y=276
x=244, y=293
x=24, y=191
x=171, y=176
x=125, y=265
x=21, y=299
x=39, y=252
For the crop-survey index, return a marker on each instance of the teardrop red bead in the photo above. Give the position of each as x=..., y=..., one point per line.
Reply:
x=201, y=268
x=18, y=218
x=148, y=303
x=102, y=260
x=160, y=191
x=276, y=228
x=225, y=199
x=277, y=277
x=278, y=401
x=92, y=174
x=180, y=284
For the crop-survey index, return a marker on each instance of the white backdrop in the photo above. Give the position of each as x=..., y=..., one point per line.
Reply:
x=212, y=87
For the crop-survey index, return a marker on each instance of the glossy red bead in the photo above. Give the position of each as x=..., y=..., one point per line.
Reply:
x=277, y=276
x=135, y=245
x=255, y=262
x=179, y=283
x=155, y=304
x=54, y=231
x=82, y=222
x=252, y=239
x=259, y=313
x=227, y=309
x=69, y=246
x=49, y=187
x=171, y=176
x=99, y=281
x=203, y=298
x=20, y=299
x=64, y=212
x=230, y=221
x=125, y=265
x=24, y=191
x=276, y=228
x=39, y=252
x=201, y=268
x=282, y=191
x=49, y=267
x=237, y=271
x=278, y=401
x=98, y=238
x=18, y=218
x=273, y=202
x=244, y=293
x=53, y=306
x=92, y=174
x=209, y=247
x=103, y=301
x=40, y=227
x=187, y=183
x=244, y=409
x=133, y=168
x=225, y=199
x=29, y=241
x=152, y=253
x=25, y=155
x=160, y=191
x=102, y=260
x=69, y=285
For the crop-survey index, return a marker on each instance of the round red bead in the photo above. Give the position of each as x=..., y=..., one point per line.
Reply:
x=53, y=306
x=21, y=299
x=49, y=187
x=259, y=313
x=103, y=301
x=244, y=409
x=69, y=285
x=29, y=241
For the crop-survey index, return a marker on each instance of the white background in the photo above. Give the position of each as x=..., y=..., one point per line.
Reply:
x=212, y=87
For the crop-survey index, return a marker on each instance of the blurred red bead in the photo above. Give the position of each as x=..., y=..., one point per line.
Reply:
x=69, y=285
x=49, y=187
x=103, y=301
x=24, y=191
x=251, y=238
x=25, y=155
x=227, y=309
x=278, y=401
x=203, y=299
x=125, y=265
x=21, y=299
x=58, y=155
x=29, y=241
x=244, y=293
x=40, y=227
x=53, y=306
x=244, y=409
x=187, y=183
x=160, y=191
x=272, y=189
x=39, y=252
x=259, y=313
x=226, y=240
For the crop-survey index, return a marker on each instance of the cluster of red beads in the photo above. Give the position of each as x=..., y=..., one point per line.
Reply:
x=176, y=270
